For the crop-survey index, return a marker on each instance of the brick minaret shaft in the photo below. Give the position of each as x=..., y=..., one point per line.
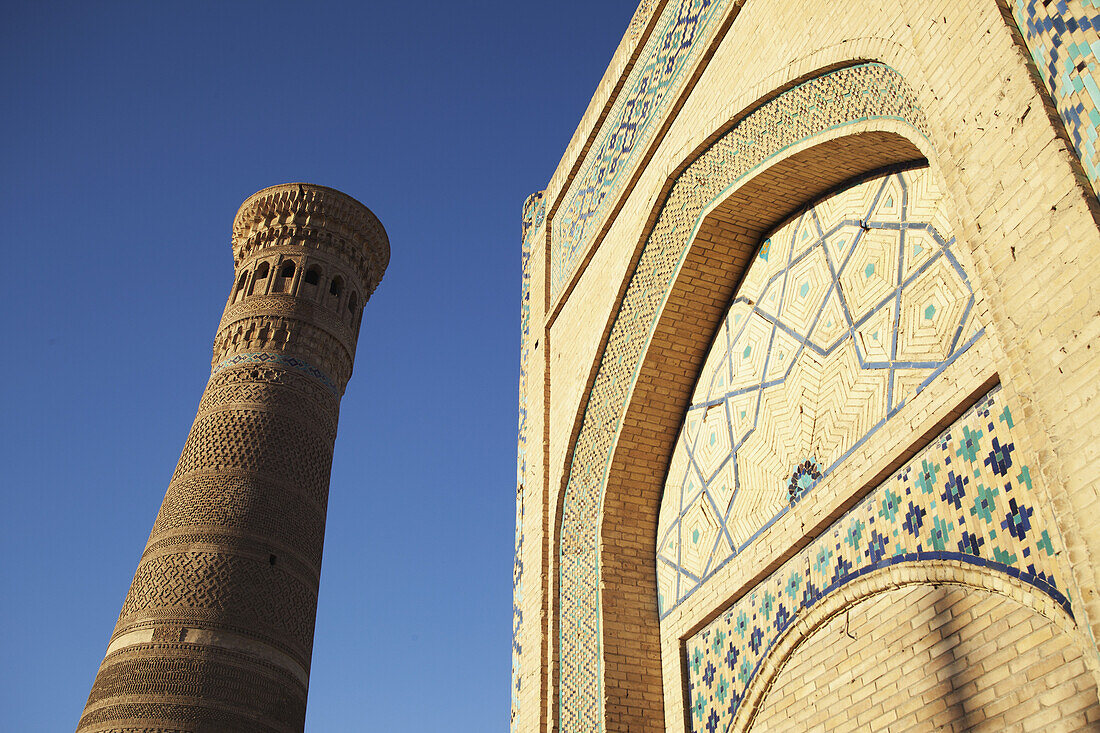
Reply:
x=216, y=632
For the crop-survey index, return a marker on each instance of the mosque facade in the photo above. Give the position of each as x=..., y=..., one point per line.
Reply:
x=809, y=428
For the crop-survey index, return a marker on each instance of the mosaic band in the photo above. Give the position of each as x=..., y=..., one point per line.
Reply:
x=293, y=362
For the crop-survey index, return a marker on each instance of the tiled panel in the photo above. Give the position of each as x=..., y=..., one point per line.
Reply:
x=848, y=310
x=534, y=210
x=657, y=74
x=264, y=357
x=1063, y=37
x=969, y=497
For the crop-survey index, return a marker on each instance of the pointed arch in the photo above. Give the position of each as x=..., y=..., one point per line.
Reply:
x=259, y=280
x=608, y=628
x=973, y=581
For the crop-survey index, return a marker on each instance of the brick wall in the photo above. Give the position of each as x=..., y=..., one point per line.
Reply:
x=932, y=658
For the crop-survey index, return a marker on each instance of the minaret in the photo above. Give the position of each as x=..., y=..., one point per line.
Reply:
x=216, y=632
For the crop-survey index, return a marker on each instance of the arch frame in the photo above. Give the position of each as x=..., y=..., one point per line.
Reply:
x=661, y=394
x=630, y=652
x=784, y=180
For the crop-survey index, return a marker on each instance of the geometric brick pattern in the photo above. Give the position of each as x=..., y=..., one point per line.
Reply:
x=243, y=503
x=676, y=41
x=969, y=497
x=1063, y=37
x=259, y=442
x=289, y=361
x=186, y=718
x=286, y=390
x=833, y=100
x=240, y=688
x=199, y=584
x=848, y=310
x=534, y=211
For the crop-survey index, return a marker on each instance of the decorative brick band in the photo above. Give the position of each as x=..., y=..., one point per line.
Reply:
x=834, y=100
x=266, y=357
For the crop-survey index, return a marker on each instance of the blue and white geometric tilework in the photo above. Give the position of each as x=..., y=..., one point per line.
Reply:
x=266, y=357
x=968, y=497
x=534, y=211
x=848, y=310
x=675, y=41
x=1063, y=37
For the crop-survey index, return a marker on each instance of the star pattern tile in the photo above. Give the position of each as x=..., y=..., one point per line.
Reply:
x=848, y=310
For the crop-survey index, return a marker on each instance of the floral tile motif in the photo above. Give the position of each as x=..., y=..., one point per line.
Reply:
x=969, y=496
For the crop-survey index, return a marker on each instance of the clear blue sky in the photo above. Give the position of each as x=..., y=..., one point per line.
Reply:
x=131, y=133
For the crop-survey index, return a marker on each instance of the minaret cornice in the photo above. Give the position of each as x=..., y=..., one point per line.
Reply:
x=315, y=217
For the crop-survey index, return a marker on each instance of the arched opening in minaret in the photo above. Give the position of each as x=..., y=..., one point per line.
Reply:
x=310, y=282
x=335, y=289
x=259, y=280
x=284, y=278
x=242, y=281
x=353, y=305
